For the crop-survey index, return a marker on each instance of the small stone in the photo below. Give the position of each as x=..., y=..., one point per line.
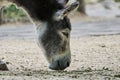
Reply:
x=3, y=66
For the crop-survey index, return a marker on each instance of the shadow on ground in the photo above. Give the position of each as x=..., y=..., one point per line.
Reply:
x=71, y=75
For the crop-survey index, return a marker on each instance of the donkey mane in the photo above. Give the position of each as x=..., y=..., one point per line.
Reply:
x=40, y=9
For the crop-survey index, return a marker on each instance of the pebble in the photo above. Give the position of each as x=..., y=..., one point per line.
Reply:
x=3, y=66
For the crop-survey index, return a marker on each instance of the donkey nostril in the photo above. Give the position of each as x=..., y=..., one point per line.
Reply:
x=68, y=64
x=58, y=62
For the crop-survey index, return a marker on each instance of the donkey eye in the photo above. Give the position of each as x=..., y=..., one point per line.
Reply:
x=65, y=34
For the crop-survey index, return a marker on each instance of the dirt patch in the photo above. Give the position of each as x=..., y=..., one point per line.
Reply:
x=60, y=75
x=93, y=58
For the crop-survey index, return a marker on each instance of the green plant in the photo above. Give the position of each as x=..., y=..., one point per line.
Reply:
x=117, y=0
x=13, y=12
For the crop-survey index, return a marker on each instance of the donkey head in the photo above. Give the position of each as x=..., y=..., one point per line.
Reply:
x=54, y=37
x=55, y=42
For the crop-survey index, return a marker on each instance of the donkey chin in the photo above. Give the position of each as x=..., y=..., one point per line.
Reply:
x=54, y=37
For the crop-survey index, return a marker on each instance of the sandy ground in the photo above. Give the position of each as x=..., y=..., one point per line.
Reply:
x=93, y=58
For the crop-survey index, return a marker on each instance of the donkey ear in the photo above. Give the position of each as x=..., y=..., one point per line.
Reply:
x=60, y=14
x=63, y=2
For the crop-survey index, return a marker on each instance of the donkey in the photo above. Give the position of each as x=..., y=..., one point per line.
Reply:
x=53, y=28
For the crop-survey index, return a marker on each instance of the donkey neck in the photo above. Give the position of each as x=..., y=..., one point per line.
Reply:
x=41, y=27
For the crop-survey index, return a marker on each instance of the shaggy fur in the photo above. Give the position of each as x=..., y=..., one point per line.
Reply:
x=40, y=9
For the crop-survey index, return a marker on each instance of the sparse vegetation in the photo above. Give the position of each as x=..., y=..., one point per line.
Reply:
x=12, y=14
x=117, y=0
